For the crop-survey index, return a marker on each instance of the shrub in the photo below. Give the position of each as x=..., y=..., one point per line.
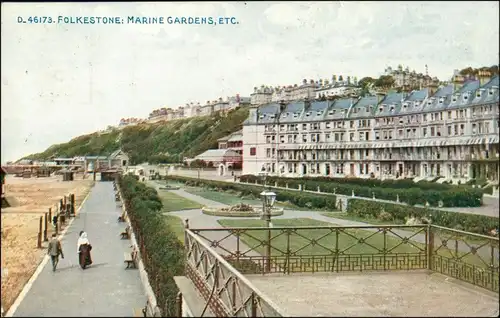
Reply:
x=161, y=251
x=407, y=190
x=385, y=216
x=474, y=223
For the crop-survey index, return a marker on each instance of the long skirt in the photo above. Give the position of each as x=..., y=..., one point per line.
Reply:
x=85, y=258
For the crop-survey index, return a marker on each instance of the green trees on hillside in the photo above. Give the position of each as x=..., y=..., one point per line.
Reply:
x=166, y=142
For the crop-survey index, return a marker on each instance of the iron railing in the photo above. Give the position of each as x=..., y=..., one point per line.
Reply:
x=227, y=292
x=330, y=249
x=217, y=258
x=469, y=257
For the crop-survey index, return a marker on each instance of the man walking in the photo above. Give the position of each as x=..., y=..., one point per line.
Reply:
x=54, y=250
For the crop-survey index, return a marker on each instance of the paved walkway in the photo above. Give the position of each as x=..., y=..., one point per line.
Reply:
x=200, y=220
x=105, y=289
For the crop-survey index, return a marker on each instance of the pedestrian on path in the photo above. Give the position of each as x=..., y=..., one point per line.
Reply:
x=54, y=250
x=83, y=250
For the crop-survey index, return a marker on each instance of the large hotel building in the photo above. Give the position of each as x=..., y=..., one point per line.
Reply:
x=449, y=132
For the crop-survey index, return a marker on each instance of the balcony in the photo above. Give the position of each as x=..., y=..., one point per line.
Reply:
x=276, y=272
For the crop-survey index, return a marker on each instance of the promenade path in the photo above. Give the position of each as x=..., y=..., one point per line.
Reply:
x=105, y=289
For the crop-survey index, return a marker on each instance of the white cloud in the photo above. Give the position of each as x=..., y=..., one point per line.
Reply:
x=137, y=68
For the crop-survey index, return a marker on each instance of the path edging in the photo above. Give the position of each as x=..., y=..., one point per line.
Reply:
x=29, y=284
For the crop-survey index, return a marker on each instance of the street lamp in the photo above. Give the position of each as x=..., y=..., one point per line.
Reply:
x=268, y=199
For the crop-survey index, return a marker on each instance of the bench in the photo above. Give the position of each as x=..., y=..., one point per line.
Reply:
x=126, y=233
x=129, y=259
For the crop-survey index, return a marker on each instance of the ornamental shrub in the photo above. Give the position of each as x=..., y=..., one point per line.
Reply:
x=406, y=190
x=475, y=223
x=161, y=251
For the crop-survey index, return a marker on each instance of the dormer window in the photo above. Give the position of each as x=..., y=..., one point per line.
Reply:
x=272, y=116
x=295, y=115
x=367, y=109
x=478, y=93
x=405, y=106
x=331, y=112
x=454, y=99
x=318, y=113
x=392, y=109
x=466, y=96
x=490, y=91
x=381, y=109
x=261, y=117
x=441, y=100
x=307, y=114
x=285, y=114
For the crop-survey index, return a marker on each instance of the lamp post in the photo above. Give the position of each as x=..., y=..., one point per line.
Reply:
x=268, y=199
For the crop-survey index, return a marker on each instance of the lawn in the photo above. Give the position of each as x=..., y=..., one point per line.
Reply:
x=173, y=202
x=325, y=240
x=232, y=199
x=176, y=225
x=375, y=221
x=350, y=217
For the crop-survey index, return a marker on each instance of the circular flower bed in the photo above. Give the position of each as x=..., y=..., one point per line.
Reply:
x=239, y=210
x=169, y=187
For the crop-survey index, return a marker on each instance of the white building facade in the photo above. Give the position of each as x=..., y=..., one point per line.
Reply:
x=451, y=134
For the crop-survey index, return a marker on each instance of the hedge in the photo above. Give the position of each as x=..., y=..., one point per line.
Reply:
x=450, y=197
x=301, y=199
x=161, y=251
x=474, y=223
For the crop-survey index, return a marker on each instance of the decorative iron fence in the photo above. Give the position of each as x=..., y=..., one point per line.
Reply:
x=227, y=292
x=319, y=248
x=469, y=257
x=217, y=258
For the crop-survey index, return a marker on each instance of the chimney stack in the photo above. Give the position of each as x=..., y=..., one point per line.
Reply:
x=483, y=77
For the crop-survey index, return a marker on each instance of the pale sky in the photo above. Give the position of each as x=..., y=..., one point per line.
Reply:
x=49, y=95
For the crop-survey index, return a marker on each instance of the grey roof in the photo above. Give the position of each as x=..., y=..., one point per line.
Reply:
x=444, y=91
x=492, y=82
x=390, y=105
x=339, y=108
x=418, y=95
x=217, y=154
x=236, y=137
x=436, y=103
x=292, y=112
x=468, y=86
x=471, y=93
x=315, y=112
x=414, y=102
x=364, y=107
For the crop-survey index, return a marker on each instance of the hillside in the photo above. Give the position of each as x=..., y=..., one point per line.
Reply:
x=154, y=143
